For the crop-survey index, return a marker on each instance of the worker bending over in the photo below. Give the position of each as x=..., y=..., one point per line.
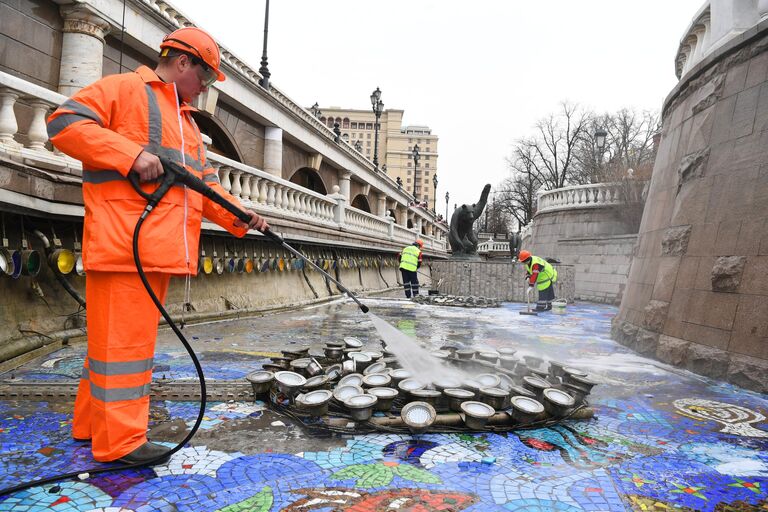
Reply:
x=542, y=274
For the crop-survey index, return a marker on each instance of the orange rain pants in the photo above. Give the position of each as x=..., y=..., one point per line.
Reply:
x=112, y=405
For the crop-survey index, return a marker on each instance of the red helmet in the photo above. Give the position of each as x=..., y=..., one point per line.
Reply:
x=524, y=255
x=420, y=242
x=196, y=42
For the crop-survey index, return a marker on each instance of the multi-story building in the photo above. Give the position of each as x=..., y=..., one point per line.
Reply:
x=396, y=144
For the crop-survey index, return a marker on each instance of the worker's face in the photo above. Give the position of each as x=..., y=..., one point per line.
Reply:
x=193, y=78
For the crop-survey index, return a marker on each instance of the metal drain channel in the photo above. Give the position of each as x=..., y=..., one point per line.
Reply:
x=218, y=391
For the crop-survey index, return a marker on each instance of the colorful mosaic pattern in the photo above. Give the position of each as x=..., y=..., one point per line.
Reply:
x=660, y=441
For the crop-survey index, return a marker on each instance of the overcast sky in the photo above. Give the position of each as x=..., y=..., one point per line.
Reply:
x=480, y=73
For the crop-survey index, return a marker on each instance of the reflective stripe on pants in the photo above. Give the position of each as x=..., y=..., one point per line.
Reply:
x=410, y=283
x=112, y=405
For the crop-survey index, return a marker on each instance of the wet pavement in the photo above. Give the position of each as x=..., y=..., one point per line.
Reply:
x=663, y=439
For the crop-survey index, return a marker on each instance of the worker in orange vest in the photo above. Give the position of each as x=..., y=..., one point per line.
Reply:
x=121, y=124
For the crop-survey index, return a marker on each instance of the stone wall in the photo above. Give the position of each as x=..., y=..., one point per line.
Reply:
x=592, y=240
x=30, y=38
x=697, y=294
x=501, y=280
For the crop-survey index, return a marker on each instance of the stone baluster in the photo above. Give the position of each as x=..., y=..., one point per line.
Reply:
x=263, y=191
x=8, y=124
x=304, y=204
x=245, y=193
x=255, y=189
x=278, y=195
x=285, y=197
x=291, y=202
x=38, y=133
x=270, y=194
x=313, y=207
x=224, y=172
x=236, y=187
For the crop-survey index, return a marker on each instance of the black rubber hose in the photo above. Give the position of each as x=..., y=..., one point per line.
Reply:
x=195, y=361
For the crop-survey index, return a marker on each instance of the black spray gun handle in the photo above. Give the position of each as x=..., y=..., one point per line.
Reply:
x=174, y=173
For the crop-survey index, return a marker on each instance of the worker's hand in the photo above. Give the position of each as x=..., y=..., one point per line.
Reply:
x=257, y=222
x=147, y=166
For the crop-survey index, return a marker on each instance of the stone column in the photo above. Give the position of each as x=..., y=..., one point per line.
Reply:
x=382, y=204
x=273, y=151
x=345, y=179
x=82, y=48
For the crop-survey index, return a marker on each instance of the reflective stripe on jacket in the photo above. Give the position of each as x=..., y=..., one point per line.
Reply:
x=409, y=258
x=546, y=273
x=106, y=126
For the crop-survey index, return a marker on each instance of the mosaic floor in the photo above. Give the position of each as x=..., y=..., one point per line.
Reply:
x=663, y=439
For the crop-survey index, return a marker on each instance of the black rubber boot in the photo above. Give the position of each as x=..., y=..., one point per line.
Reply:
x=145, y=453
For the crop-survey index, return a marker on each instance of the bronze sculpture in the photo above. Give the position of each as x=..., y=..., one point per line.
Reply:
x=461, y=236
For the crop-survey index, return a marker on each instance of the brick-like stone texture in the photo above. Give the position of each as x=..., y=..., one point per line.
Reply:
x=703, y=241
x=501, y=280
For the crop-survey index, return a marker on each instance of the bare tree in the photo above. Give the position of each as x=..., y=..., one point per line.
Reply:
x=517, y=194
x=551, y=152
x=629, y=144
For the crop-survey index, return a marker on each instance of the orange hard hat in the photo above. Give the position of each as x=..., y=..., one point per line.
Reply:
x=196, y=42
x=420, y=242
x=524, y=255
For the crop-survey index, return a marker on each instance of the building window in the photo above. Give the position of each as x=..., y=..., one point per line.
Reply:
x=346, y=138
x=354, y=125
x=345, y=124
x=428, y=150
x=369, y=135
x=409, y=164
x=369, y=126
x=408, y=180
x=409, y=149
x=426, y=157
x=426, y=182
x=368, y=143
x=426, y=173
x=426, y=166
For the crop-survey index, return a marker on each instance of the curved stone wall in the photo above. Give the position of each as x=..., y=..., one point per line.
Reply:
x=697, y=294
x=594, y=241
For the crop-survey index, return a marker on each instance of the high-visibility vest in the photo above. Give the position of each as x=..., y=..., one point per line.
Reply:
x=106, y=125
x=547, y=273
x=410, y=258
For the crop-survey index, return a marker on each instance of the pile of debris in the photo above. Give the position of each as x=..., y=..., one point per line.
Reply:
x=457, y=301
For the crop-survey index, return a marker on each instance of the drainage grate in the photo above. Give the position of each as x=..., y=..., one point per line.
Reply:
x=176, y=391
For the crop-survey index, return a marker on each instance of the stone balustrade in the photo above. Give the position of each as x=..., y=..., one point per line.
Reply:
x=716, y=23
x=491, y=246
x=272, y=196
x=596, y=195
x=24, y=107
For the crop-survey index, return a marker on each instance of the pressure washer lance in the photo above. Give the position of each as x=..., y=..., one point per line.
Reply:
x=174, y=173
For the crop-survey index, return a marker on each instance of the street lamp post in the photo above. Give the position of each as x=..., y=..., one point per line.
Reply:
x=600, y=135
x=378, y=107
x=434, y=202
x=315, y=109
x=264, y=68
x=415, y=155
x=447, y=197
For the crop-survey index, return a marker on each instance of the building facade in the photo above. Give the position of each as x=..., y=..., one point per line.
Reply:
x=396, y=143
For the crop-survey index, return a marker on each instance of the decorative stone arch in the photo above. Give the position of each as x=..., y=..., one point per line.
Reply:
x=309, y=179
x=361, y=203
x=223, y=143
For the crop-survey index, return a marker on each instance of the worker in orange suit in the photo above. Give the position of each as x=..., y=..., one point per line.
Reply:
x=121, y=124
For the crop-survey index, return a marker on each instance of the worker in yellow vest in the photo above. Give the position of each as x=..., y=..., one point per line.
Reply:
x=539, y=273
x=410, y=261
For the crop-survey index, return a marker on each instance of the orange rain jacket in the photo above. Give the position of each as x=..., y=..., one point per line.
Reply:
x=106, y=126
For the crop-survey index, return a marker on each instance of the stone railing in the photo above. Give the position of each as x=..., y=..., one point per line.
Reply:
x=25, y=103
x=715, y=23
x=595, y=195
x=271, y=195
x=24, y=139
x=493, y=246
